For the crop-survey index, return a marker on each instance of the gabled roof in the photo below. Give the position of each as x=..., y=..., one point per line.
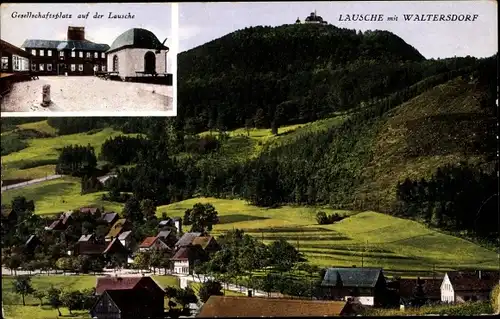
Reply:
x=231, y=306
x=84, y=238
x=132, y=301
x=431, y=287
x=148, y=242
x=165, y=222
x=65, y=45
x=118, y=283
x=137, y=38
x=202, y=241
x=109, y=217
x=124, y=235
x=470, y=281
x=352, y=277
x=115, y=243
x=117, y=228
x=91, y=210
x=187, y=239
x=189, y=253
x=164, y=233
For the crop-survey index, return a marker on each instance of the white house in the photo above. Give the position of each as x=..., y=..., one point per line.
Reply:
x=137, y=52
x=459, y=287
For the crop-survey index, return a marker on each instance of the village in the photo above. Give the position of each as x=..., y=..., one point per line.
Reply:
x=125, y=259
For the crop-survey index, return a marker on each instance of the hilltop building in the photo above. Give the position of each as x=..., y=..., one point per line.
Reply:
x=313, y=18
x=137, y=52
x=75, y=55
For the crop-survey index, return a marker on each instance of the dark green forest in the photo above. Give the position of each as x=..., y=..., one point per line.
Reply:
x=298, y=74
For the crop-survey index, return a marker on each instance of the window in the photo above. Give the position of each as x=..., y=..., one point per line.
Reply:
x=5, y=63
x=103, y=55
x=115, y=63
x=61, y=53
x=96, y=55
x=73, y=54
x=33, y=51
x=49, y=67
x=80, y=67
x=49, y=52
x=88, y=55
x=16, y=61
x=42, y=52
x=73, y=67
x=41, y=67
x=33, y=67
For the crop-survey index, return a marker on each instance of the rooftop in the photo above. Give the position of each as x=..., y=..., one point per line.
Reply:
x=230, y=306
x=82, y=45
x=352, y=277
x=473, y=280
x=187, y=239
x=146, y=243
x=137, y=38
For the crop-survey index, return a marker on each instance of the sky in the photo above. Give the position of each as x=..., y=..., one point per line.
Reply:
x=202, y=22
x=155, y=17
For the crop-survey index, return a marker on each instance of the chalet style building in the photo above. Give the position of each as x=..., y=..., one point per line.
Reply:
x=137, y=52
x=463, y=286
x=363, y=285
x=13, y=59
x=73, y=56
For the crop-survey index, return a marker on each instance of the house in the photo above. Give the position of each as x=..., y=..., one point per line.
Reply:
x=168, y=237
x=89, y=210
x=208, y=243
x=186, y=239
x=126, y=239
x=140, y=283
x=153, y=243
x=110, y=218
x=313, y=18
x=126, y=304
x=137, y=52
x=168, y=222
x=185, y=257
x=88, y=248
x=115, y=250
x=13, y=59
x=407, y=288
x=231, y=306
x=363, y=285
x=87, y=238
x=118, y=227
x=74, y=56
x=462, y=286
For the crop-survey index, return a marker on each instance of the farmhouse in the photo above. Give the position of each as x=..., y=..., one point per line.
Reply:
x=74, y=56
x=126, y=239
x=137, y=52
x=118, y=227
x=168, y=237
x=185, y=258
x=462, y=286
x=124, y=304
x=153, y=243
x=110, y=218
x=186, y=239
x=208, y=243
x=364, y=285
x=229, y=306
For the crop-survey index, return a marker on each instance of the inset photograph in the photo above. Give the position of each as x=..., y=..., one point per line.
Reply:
x=87, y=60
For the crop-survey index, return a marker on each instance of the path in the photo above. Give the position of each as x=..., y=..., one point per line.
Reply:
x=185, y=279
x=30, y=182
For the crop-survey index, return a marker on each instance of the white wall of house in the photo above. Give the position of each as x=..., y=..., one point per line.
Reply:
x=365, y=300
x=447, y=292
x=132, y=60
x=181, y=267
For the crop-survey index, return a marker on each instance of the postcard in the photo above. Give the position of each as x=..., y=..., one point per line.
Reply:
x=88, y=59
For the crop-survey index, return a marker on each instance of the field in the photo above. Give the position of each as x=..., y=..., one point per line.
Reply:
x=366, y=239
x=13, y=302
x=59, y=195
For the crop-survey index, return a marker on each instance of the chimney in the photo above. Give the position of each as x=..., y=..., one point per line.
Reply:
x=76, y=33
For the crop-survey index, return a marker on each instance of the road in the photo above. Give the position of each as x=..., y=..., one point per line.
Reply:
x=30, y=182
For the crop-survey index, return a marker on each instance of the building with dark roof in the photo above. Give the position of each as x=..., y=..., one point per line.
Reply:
x=110, y=217
x=185, y=258
x=313, y=18
x=364, y=285
x=186, y=239
x=129, y=283
x=118, y=227
x=74, y=56
x=232, y=306
x=463, y=286
x=153, y=243
x=407, y=288
x=137, y=52
x=127, y=304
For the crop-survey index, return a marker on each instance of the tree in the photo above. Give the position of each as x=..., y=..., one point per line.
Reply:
x=186, y=296
x=284, y=255
x=210, y=288
x=73, y=300
x=202, y=217
x=39, y=294
x=142, y=260
x=64, y=264
x=13, y=262
x=54, y=297
x=132, y=210
x=148, y=209
x=22, y=286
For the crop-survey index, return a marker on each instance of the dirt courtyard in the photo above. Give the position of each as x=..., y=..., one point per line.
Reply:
x=87, y=94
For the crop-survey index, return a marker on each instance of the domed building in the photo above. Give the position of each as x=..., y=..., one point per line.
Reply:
x=137, y=52
x=313, y=18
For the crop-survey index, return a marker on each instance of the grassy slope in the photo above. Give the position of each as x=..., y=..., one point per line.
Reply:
x=384, y=241
x=419, y=136
x=32, y=310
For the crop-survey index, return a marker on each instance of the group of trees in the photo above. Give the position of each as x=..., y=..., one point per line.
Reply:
x=324, y=219
x=201, y=217
x=56, y=298
x=122, y=150
x=76, y=160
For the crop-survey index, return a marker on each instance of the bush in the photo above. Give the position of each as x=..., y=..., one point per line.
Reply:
x=323, y=219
